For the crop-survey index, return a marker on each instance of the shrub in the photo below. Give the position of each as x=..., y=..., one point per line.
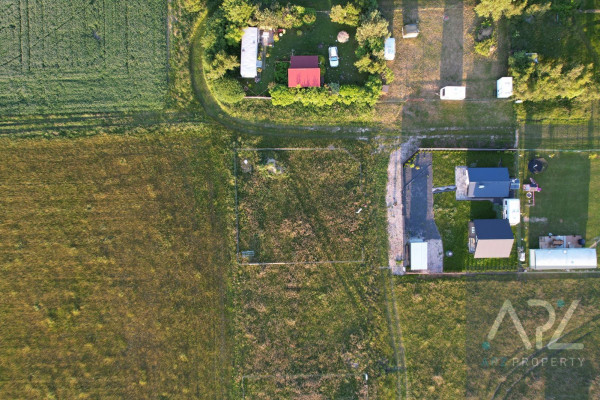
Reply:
x=281, y=72
x=310, y=16
x=228, y=90
x=485, y=47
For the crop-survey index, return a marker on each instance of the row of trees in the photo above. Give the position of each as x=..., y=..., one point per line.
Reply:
x=328, y=95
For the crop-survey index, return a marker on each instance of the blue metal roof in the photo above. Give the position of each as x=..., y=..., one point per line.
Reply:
x=488, y=182
x=493, y=229
x=488, y=174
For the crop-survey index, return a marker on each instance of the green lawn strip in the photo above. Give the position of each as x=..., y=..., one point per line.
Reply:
x=452, y=216
x=568, y=203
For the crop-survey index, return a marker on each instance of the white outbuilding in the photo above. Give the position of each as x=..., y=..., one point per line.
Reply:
x=565, y=258
x=418, y=256
x=511, y=210
x=390, y=49
x=249, y=58
x=410, y=31
x=453, y=93
x=504, y=87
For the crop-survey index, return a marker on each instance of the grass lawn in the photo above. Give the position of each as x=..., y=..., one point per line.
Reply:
x=452, y=216
x=306, y=211
x=310, y=40
x=446, y=322
x=114, y=257
x=569, y=202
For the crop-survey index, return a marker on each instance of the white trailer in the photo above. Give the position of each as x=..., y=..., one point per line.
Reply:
x=511, y=210
x=390, y=49
x=453, y=93
x=249, y=58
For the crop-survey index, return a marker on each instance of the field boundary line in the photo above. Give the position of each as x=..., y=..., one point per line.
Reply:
x=305, y=262
x=301, y=376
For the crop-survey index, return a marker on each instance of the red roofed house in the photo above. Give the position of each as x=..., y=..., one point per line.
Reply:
x=304, y=71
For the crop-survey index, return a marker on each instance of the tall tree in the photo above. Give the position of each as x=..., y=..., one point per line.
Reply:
x=496, y=9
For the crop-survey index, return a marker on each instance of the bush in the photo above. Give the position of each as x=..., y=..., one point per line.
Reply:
x=228, y=90
x=310, y=16
x=485, y=47
x=281, y=72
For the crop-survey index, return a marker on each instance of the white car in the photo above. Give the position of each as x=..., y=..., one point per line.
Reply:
x=334, y=61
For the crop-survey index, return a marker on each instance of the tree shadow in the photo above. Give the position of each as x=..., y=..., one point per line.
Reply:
x=410, y=12
x=451, y=62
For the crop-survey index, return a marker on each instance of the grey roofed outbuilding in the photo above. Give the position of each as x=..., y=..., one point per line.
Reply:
x=494, y=238
x=488, y=182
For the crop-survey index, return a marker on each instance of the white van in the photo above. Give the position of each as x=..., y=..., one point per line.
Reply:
x=511, y=210
x=453, y=93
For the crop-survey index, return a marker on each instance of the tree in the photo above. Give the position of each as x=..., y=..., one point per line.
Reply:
x=238, y=12
x=370, y=65
x=552, y=79
x=221, y=64
x=193, y=5
x=373, y=26
x=496, y=9
x=348, y=15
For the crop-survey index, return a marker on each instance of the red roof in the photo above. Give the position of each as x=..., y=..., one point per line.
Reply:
x=305, y=77
x=304, y=71
x=304, y=62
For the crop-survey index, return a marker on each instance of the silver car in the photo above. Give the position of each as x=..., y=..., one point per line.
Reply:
x=334, y=61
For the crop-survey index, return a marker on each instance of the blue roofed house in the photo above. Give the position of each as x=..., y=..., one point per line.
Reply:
x=482, y=183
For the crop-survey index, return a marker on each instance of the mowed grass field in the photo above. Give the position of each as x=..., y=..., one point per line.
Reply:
x=452, y=216
x=303, y=210
x=569, y=203
x=82, y=56
x=114, y=255
x=445, y=325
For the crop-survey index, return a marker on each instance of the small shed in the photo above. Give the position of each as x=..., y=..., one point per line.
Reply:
x=453, y=93
x=504, y=87
x=304, y=72
x=410, y=31
x=249, y=55
x=569, y=258
x=511, y=210
x=418, y=256
x=390, y=49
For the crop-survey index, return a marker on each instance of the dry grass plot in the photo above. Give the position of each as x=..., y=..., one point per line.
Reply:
x=299, y=206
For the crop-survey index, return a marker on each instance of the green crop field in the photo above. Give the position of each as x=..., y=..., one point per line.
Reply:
x=113, y=259
x=82, y=56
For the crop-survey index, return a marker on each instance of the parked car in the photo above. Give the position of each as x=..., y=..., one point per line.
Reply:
x=334, y=61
